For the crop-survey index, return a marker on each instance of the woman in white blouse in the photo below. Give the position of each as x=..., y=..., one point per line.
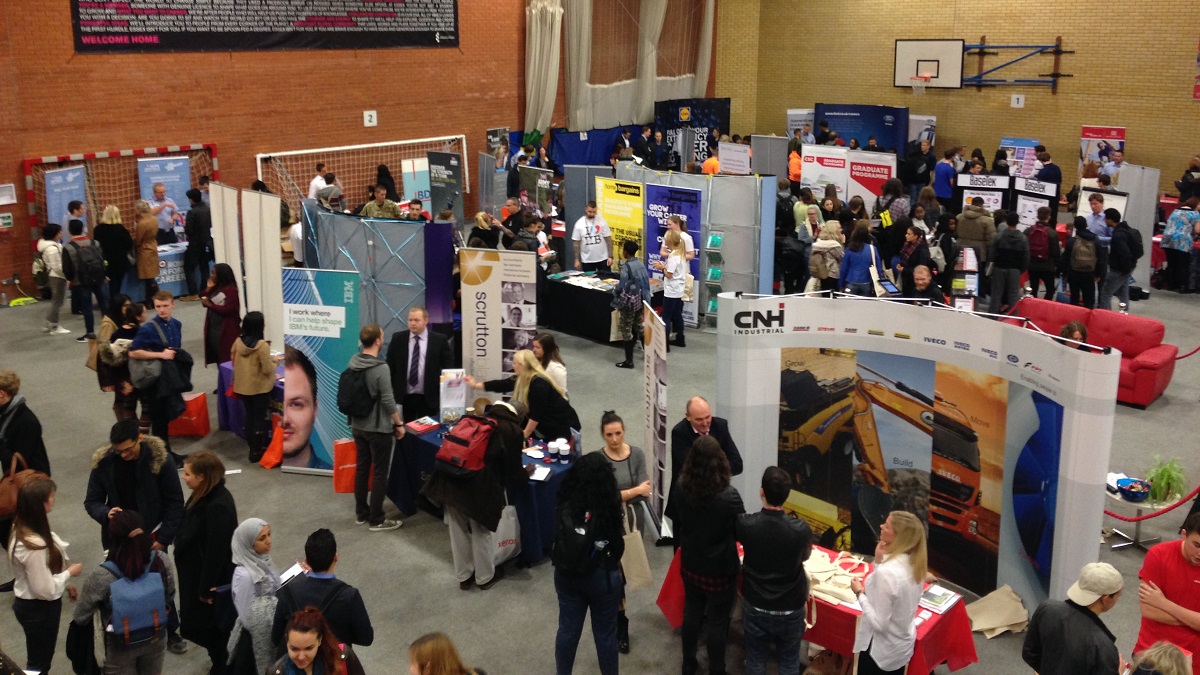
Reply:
x=887, y=631
x=545, y=348
x=39, y=563
x=253, y=587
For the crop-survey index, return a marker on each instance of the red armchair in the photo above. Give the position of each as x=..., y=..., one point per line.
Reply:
x=1146, y=363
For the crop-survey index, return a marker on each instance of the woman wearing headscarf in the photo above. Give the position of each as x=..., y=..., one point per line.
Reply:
x=253, y=588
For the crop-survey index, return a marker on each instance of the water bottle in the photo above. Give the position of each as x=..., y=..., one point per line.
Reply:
x=3, y=299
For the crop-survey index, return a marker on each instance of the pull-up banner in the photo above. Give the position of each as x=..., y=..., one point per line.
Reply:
x=888, y=125
x=701, y=114
x=190, y=26
x=445, y=183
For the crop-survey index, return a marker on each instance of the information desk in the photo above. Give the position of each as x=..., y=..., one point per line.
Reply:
x=170, y=274
x=535, y=501
x=581, y=311
x=942, y=638
x=231, y=412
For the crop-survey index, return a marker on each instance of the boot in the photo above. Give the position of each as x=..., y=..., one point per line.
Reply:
x=622, y=633
x=628, y=362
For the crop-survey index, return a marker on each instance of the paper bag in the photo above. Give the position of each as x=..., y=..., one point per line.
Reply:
x=634, y=562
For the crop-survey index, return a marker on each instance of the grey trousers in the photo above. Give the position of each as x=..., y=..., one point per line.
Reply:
x=146, y=658
x=58, y=291
x=1114, y=283
x=1006, y=288
x=471, y=547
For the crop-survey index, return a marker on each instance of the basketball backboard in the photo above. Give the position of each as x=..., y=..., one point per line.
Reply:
x=940, y=60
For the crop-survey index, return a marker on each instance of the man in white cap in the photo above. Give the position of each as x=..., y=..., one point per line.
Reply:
x=1067, y=637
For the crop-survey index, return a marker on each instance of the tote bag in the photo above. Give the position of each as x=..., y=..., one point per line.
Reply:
x=507, y=537
x=634, y=562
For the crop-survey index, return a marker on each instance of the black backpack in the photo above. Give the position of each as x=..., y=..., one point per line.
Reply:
x=1135, y=244
x=84, y=264
x=574, y=552
x=353, y=397
x=785, y=218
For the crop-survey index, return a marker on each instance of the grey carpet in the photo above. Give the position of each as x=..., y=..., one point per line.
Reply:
x=406, y=575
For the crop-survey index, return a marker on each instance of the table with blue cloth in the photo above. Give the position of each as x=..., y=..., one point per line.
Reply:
x=170, y=274
x=535, y=501
x=231, y=412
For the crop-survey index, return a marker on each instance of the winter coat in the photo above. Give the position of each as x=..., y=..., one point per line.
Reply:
x=23, y=435
x=116, y=243
x=228, y=313
x=145, y=245
x=52, y=255
x=1010, y=250
x=204, y=561
x=159, y=495
x=481, y=496
x=976, y=229
x=253, y=368
x=832, y=251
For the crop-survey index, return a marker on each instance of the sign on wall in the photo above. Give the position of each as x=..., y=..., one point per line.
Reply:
x=175, y=174
x=62, y=187
x=662, y=202
x=620, y=204
x=320, y=321
x=499, y=301
x=700, y=114
x=189, y=26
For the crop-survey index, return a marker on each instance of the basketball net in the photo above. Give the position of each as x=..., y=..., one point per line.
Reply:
x=918, y=84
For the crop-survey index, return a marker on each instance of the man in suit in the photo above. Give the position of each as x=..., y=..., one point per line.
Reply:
x=416, y=359
x=641, y=147
x=699, y=421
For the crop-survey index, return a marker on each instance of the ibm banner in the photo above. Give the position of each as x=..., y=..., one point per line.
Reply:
x=499, y=309
x=994, y=434
x=320, y=315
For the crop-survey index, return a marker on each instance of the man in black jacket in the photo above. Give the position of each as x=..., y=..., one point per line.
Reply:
x=197, y=227
x=641, y=147
x=416, y=359
x=1068, y=637
x=699, y=421
x=20, y=431
x=514, y=177
x=1122, y=257
x=340, y=603
x=775, y=586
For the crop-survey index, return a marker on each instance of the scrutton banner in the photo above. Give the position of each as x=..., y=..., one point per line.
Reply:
x=190, y=26
x=499, y=300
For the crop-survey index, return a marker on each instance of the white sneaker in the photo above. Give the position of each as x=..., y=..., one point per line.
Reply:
x=387, y=525
x=59, y=330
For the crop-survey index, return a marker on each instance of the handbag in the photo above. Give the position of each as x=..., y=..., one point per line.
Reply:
x=880, y=291
x=93, y=354
x=144, y=373
x=224, y=611
x=13, y=482
x=507, y=537
x=634, y=563
x=689, y=287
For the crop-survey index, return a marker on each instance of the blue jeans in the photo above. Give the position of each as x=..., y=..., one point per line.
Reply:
x=599, y=592
x=761, y=629
x=82, y=295
x=864, y=289
x=1114, y=283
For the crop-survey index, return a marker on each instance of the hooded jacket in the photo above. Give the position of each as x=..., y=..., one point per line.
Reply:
x=253, y=368
x=795, y=163
x=1010, y=250
x=52, y=253
x=379, y=386
x=159, y=495
x=977, y=229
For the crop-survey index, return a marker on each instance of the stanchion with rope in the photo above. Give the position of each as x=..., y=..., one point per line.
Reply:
x=1197, y=349
x=1148, y=516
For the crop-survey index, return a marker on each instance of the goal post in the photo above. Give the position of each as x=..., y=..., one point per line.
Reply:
x=289, y=172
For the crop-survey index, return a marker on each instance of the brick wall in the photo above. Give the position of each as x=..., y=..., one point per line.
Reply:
x=53, y=101
x=1133, y=67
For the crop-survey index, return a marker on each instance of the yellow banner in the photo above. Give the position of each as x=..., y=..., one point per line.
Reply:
x=620, y=204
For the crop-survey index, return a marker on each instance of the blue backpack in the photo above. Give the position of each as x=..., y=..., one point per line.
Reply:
x=139, y=606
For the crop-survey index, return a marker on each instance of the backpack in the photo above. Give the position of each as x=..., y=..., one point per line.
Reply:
x=463, y=449
x=574, y=551
x=84, y=264
x=139, y=606
x=1039, y=243
x=785, y=217
x=41, y=273
x=1083, y=255
x=353, y=397
x=818, y=266
x=1135, y=244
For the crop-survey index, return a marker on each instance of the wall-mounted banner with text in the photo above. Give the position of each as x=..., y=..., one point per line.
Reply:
x=620, y=204
x=499, y=309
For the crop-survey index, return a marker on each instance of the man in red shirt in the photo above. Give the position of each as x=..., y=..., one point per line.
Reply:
x=1169, y=593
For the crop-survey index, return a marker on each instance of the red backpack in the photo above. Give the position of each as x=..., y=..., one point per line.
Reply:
x=465, y=445
x=1039, y=243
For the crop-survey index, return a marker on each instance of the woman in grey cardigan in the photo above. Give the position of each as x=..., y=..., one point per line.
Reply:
x=253, y=588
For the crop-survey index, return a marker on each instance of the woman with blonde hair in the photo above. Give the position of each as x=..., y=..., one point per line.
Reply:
x=674, y=269
x=1163, y=658
x=886, y=633
x=203, y=555
x=145, y=245
x=488, y=228
x=824, y=263
x=117, y=245
x=549, y=412
x=434, y=654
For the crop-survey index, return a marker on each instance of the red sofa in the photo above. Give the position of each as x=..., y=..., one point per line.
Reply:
x=1146, y=363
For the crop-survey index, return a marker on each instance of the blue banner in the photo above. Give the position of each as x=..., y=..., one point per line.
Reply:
x=320, y=314
x=175, y=173
x=62, y=187
x=661, y=203
x=701, y=114
x=888, y=125
x=586, y=148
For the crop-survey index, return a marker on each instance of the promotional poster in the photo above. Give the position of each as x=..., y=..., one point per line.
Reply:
x=1021, y=155
x=321, y=322
x=174, y=173
x=415, y=180
x=854, y=173
x=499, y=301
x=991, y=188
x=1097, y=144
x=994, y=434
x=1029, y=196
x=62, y=187
x=445, y=183
x=620, y=204
x=662, y=202
x=888, y=125
x=701, y=114
x=867, y=173
x=654, y=372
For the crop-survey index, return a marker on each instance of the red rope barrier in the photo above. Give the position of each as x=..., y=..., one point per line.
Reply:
x=1197, y=349
x=1158, y=513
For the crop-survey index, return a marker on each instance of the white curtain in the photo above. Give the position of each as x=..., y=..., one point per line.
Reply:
x=579, y=64
x=653, y=13
x=704, y=54
x=543, y=40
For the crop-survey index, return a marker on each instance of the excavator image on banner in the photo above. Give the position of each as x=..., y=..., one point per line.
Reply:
x=820, y=417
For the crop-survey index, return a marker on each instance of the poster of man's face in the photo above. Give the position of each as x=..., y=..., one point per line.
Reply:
x=520, y=316
x=299, y=410
x=517, y=293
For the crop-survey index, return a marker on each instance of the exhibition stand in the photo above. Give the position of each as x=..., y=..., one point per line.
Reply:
x=584, y=310
x=170, y=274
x=855, y=173
x=997, y=435
x=231, y=412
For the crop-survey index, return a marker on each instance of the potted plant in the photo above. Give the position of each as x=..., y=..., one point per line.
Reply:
x=1166, y=479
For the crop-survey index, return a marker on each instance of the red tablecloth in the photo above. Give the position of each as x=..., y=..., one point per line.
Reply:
x=941, y=639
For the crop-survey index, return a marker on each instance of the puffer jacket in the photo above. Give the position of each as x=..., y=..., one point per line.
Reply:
x=831, y=251
x=52, y=253
x=976, y=229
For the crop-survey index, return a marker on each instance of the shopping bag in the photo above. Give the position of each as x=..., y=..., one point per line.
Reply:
x=670, y=596
x=273, y=456
x=634, y=562
x=93, y=354
x=345, y=463
x=194, y=421
x=507, y=537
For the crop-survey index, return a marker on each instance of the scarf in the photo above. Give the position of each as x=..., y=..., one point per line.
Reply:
x=907, y=250
x=242, y=545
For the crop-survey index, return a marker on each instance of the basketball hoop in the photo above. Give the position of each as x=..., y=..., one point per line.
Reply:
x=918, y=84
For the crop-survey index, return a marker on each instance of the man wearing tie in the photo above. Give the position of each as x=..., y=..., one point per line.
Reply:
x=699, y=421
x=416, y=359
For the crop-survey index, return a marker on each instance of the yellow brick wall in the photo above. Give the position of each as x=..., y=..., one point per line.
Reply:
x=1133, y=67
x=737, y=61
